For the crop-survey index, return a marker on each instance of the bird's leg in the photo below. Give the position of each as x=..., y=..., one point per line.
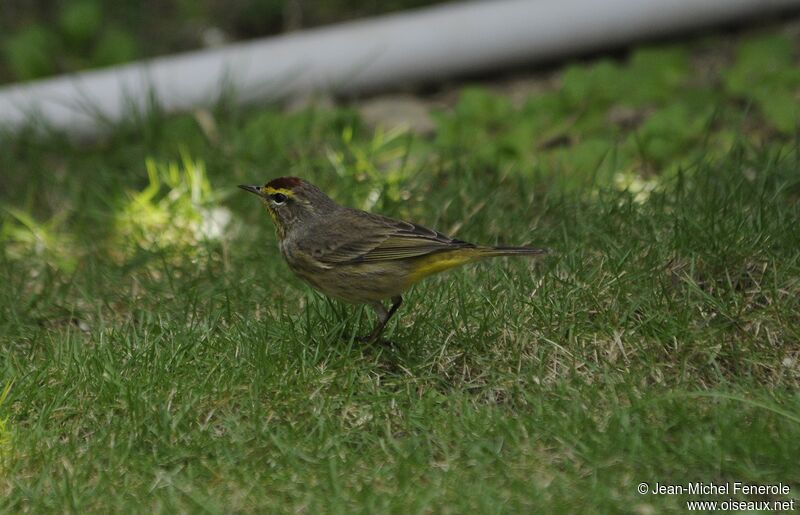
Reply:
x=383, y=318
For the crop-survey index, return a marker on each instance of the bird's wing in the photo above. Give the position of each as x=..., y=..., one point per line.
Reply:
x=376, y=238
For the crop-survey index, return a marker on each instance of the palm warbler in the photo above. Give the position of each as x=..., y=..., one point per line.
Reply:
x=359, y=257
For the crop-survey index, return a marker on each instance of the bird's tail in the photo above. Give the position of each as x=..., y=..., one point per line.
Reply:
x=510, y=251
x=440, y=261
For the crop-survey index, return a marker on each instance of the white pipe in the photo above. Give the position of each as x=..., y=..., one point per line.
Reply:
x=427, y=44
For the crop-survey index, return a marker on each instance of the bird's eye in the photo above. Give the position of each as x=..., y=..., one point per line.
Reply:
x=279, y=198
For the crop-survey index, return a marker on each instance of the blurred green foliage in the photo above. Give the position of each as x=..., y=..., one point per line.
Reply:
x=766, y=73
x=47, y=37
x=80, y=21
x=28, y=53
x=177, y=207
x=649, y=114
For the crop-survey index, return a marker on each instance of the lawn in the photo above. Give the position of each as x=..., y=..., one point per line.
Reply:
x=158, y=355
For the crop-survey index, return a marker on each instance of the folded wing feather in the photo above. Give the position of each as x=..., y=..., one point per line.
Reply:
x=378, y=238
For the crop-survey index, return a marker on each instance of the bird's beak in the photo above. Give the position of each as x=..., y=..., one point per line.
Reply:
x=251, y=189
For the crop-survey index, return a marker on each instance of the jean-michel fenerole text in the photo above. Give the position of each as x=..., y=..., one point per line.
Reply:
x=731, y=488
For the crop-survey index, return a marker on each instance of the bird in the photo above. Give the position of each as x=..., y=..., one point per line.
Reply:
x=360, y=257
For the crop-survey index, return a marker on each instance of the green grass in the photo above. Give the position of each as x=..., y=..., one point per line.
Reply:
x=155, y=363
